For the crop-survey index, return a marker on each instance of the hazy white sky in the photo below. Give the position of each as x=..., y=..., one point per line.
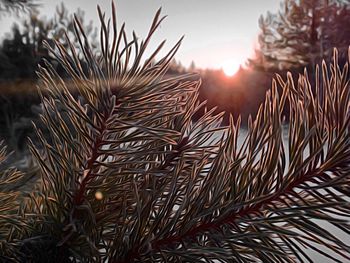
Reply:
x=217, y=32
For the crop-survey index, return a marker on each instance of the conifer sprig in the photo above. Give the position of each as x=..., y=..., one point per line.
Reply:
x=128, y=175
x=11, y=222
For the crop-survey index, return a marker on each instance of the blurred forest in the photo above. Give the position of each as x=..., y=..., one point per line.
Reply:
x=299, y=35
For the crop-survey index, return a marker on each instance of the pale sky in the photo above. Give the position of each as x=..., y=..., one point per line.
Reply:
x=217, y=32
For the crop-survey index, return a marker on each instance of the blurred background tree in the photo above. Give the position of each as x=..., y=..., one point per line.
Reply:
x=25, y=50
x=302, y=33
x=21, y=52
x=15, y=6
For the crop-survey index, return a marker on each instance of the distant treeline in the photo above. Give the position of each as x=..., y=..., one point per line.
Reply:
x=299, y=36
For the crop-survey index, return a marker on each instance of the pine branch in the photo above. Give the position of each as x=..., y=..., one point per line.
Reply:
x=129, y=176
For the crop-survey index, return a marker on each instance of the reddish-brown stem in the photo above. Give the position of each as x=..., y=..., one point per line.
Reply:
x=231, y=218
x=79, y=197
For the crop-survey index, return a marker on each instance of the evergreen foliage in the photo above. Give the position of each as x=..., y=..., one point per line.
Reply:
x=24, y=50
x=128, y=176
x=20, y=53
x=17, y=5
x=302, y=33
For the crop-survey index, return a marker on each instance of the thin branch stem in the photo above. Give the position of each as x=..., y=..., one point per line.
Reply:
x=79, y=197
x=254, y=209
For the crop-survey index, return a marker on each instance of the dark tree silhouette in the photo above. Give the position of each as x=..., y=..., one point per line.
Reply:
x=302, y=33
x=11, y=6
x=20, y=54
x=25, y=49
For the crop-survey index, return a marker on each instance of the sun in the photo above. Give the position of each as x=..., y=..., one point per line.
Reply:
x=230, y=68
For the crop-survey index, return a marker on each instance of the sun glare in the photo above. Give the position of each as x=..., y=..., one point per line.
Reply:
x=230, y=68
